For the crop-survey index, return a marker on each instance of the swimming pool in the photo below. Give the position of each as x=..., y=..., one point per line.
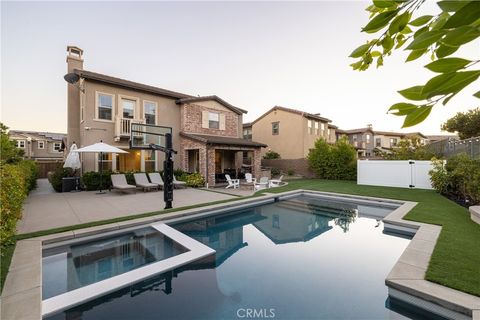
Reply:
x=300, y=258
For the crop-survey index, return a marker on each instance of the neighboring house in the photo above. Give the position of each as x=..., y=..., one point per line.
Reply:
x=441, y=137
x=367, y=141
x=291, y=133
x=39, y=145
x=207, y=131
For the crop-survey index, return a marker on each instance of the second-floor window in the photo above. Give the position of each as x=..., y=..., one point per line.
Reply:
x=316, y=128
x=367, y=138
x=275, y=128
x=21, y=144
x=57, y=146
x=247, y=133
x=150, y=110
x=41, y=145
x=354, y=138
x=378, y=142
x=128, y=108
x=213, y=120
x=105, y=106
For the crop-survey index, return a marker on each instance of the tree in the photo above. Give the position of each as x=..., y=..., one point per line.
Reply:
x=466, y=124
x=409, y=149
x=270, y=154
x=439, y=35
x=8, y=150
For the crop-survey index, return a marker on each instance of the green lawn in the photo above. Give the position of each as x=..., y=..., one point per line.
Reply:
x=455, y=261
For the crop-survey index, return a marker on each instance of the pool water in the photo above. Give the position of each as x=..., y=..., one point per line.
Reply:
x=302, y=258
x=70, y=267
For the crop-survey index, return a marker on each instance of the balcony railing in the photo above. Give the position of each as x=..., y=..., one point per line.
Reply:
x=123, y=126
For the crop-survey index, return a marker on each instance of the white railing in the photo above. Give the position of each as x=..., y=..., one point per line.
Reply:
x=123, y=126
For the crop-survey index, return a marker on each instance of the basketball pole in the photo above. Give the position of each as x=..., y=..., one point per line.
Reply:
x=168, y=172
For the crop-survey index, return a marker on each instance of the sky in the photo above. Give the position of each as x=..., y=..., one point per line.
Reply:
x=255, y=55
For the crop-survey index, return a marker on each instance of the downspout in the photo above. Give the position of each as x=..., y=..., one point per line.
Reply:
x=206, y=162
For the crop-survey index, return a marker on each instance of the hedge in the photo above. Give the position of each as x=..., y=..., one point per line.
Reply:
x=16, y=181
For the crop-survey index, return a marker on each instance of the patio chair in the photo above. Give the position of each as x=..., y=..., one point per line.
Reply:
x=275, y=182
x=249, y=178
x=156, y=178
x=142, y=182
x=262, y=184
x=235, y=183
x=119, y=182
x=178, y=184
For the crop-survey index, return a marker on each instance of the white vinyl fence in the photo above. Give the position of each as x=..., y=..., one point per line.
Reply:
x=395, y=173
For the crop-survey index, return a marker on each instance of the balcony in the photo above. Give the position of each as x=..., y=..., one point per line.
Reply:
x=123, y=127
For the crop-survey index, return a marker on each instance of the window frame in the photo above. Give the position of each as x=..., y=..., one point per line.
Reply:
x=155, y=111
x=97, y=101
x=17, y=144
x=277, y=132
x=135, y=106
x=378, y=142
x=213, y=121
x=59, y=146
x=43, y=144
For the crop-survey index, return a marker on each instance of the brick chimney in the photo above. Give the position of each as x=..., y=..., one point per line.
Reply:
x=74, y=61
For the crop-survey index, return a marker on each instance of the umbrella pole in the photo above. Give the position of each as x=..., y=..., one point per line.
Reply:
x=101, y=173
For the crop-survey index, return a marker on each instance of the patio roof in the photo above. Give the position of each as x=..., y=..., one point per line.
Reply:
x=222, y=140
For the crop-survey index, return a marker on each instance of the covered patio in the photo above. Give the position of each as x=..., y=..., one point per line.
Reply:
x=215, y=156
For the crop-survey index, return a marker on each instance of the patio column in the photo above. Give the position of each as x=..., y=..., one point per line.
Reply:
x=257, y=163
x=114, y=162
x=211, y=167
x=142, y=160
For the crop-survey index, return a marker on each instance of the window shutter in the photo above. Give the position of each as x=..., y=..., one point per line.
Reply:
x=222, y=122
x=205, y=119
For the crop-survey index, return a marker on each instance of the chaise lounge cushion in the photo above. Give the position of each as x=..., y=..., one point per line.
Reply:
x=142, y=181
x=119, y=181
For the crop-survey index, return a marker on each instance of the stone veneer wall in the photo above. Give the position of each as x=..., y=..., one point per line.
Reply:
x=192, y=121
x=299, y=166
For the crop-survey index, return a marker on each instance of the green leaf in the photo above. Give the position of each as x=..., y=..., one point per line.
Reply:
x=413, y=93
x=425, y=40
x=420, y=31
x=387, y=44
x=445, y=101
x=415, y=54
x=384, y=3
x=449, y=83
x=420, y=21
x=379, y=62
x=380, y=21
x=406, y=30
x=443, y=51
x=452, y=5
x=447, y=65
x=466, y=15
x=375, y=53
x=402, y=108
x=440, y=21
x=461, y=35
x=399, y=23
x=356, y=65
x=360, y=51
x=417, y=116
x=477, y=94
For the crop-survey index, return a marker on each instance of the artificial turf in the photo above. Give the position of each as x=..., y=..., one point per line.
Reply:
x=455, y=262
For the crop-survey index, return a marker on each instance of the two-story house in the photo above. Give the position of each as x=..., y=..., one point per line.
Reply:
x=206, y=131
x=39, y=145
x=362, y=140
x=291, y=133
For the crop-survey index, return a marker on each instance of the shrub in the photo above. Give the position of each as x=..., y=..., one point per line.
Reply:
x=271, y=155
x=275, y=172
x=179, y=173
x=56, y=177
x=333, y=161
x=290, y=172
x=30, y=168
x=458, y=179
x=194, y=180
x=91, y=180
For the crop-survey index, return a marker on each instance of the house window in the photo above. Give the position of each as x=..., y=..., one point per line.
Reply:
x=41, y=144
x=104, y=161
x=378, y=142
x=213, y=120
x=354, y=138
x=149, y=161
x=368, y=138
x=105, y=106
x=150, y=110
x=328, y=132
x=128, y=108
x=316, y=128
x=247, y=134
x=57, y=146
x=393, y=142
x=310, y=126
x=21, y=144
x=275, y=128
x=323, y=127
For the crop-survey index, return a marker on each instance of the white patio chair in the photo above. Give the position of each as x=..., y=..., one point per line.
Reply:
x=142, y=182
x=178, y=184
x=119, y=182
x=275, y=182
x=235, y=183
x=249, y=178
x=156, y=178
x=262, y=184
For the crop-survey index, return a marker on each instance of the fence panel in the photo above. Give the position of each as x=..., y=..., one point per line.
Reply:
x=450, y=147
x=394, y=173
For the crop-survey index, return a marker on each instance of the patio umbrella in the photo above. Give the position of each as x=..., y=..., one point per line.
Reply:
x=73, y=159
x=100, y=148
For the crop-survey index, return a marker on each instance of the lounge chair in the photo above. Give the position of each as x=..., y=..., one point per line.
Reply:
x=178, y=184
x=119, y=182
x=142, y=182
x=275, y=182
x=235, y=183
x=156, y=178
x=262, y=184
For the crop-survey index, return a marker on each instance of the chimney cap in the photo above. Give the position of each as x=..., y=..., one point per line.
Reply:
x=75, y=51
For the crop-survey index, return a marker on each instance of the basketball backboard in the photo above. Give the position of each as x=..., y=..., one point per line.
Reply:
x=142, y=136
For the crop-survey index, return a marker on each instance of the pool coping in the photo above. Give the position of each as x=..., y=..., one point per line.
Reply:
x=405, y=281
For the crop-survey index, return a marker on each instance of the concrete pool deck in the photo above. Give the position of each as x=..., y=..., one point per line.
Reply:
x=405, y=281
x=44, y=209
